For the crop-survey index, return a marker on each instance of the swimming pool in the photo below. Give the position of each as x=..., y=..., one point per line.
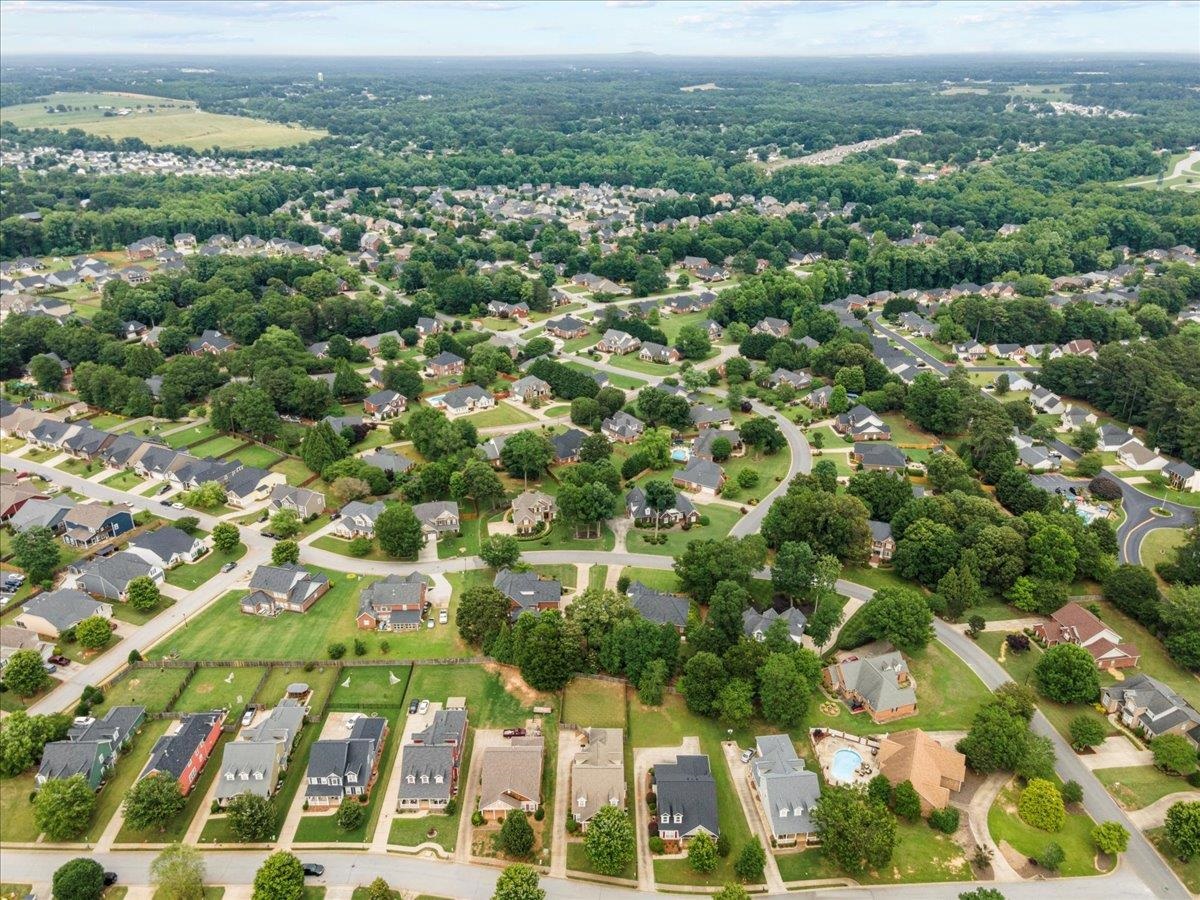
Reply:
x=680, y=454
x=845, y=761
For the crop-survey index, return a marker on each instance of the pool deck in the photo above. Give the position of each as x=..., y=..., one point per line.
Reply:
x=827, y=743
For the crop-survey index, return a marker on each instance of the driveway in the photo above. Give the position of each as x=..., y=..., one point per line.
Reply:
x=1117, y=752
x=752, y=810
x=469, y=793
x=644, y=759
x=568, y=746
x=412, y=724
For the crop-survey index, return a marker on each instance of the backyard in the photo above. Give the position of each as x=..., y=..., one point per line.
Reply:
x=489, y=705
x=229, y=689
x=592, y=703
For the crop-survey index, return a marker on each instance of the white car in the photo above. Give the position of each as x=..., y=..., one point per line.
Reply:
x=443, y=616
x=423, y=707
x=178, y=506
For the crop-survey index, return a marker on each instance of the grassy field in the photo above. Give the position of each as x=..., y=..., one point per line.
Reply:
x=192, y=575
x=593, y=703
x=659, y=579
x=1137, y=786
x=123, y=612
x=489, y=705
x=634, y=363
x=1160, y=546
x=254, y=455
x=217, y=446
x=320, y=681
x=123, y=481
x=625, y=382
x=370, y=689
x=156, y=120
x=150, y=688
x=1188, y=872
x=198, y=432
x=16, y=812
x=501, y=414
x=771, y=470
x=293, y=470
x=229, y=689
x=921, y=855
x=1075, y=837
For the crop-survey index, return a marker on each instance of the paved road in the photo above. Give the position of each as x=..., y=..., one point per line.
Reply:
x=1180, y=169
x=928, y=358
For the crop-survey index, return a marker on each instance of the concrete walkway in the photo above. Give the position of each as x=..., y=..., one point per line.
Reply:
x=644, y=759
x=977, y=822
x=1152, y=816
x=1116, y=752
x=739, y=772
x=568, y=746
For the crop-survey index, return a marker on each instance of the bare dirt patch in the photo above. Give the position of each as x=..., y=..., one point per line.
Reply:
x=514, y=683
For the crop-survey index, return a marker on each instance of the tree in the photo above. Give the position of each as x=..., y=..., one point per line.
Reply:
x=856, y=833
x=1174, y=754
x=926, y=552
x=995, y=741
x=501, y=551
x=178, y=872
x=285, y=553
x=706, y=562
x=251, y=818
x=46, y=372
x=280, y=877
x=783, y=691
x=208, y=495
x=1134, y=590
x=750, y=862
x=525, y=454
x=79, y=879
x=1110, y=838
x=703, y=677
x=702, y=853
x=321, y=447
x=62, y=807
x=347, y=488
x=731, y=891
x=900, y=616
x=516, y=835
x=794, y=569
x=1086, y=438
x=1041, y=805
x=1182, y=826
x=883, y=492
x=226, y=537
x=351, y=814
x=518, y=883
x=595, y=447
x=25, y=673
x=763, y=434
x=906, y=802
x=725, y=607
x=285, y=524
x=610, y=842
x=23, y=736
x=482, y=610
x=478, y=482
x=399, y=532
x=153, y=801
x=660, y=496
x=142, y=593
x=1052, y=554
x=379, y=890
x=981, y=893
x=37, y=551
x=652, y=683
x=93, y=632
x=735, y=702
x=1051, y=857
x=1067, y=673
x=1087, y=731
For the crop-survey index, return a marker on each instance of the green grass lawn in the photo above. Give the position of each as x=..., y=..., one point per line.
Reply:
x=229, y=689
x=16, y=812
x=107, y=421
x=906, y=434
x=176, y=829
x=659, y=579
x=409, y=831
x=771, y=471
x=320, y=680
x=1137, y=786
x=558, y=411
x=597, y=575
x=500, y=414
x=1187, y=498
x=293, y=470
x=217, y=446
x=489, y=705
x=151, y=688
x=123, y=612
x=1075, y=837
x=875, y=577
x=578, y=861
x=370, y=689
x=721, y=519
x=1154, y=661
x=592, y=703
x=191, y=575
x=921, y=855
x=466, y=544
x=12, y=891
x=342, y=548
x=634, y=363
x=41, y=455
x=1160, y=546
x=198, y=432
x=625, y=382
x=79, y=467
x=1188, y=872
x=123, y=481
x=121, y=778
x=562, y=537
x=254, y=455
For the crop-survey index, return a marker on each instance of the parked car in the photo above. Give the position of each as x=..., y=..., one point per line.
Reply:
x=443, y=616
x=747, y=755
x=228, y=567
x=178, y=506
x=59, y=660
x=313, y=870
x=164, y=488
x=166, y=503
x=110, y=878
x=423, y=707
x=412, y=707
x=514, y=732
x=248, y=716
x=50, y=668
x=333, y=517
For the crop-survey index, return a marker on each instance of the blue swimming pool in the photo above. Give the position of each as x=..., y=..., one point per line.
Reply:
x=845, y=761
x=680, y=454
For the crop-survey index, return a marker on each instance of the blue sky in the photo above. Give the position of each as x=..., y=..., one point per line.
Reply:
x=522, y=27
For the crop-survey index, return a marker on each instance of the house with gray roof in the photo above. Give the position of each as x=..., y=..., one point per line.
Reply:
x=390, y=462
x=687, y=799
x=511, y=777
x=880, y=686
x=528, y=591
x=755, y=623
x=250, y=485
x=183, y=752
x=659, y=607
x=304, y=503
x=52, y=613
x=703, y=443
x=1111, y=438
x=1146, y=703
x=37, y=513
x=286, y=588
x=701, y=476
x=429, y=765
x=358, y=519
x=108, y=577
x=879, y=457
x=384, y=404
x=622, y=427
x=530, y=388
x=785, y=790
x=438, y=519
x=254, y=763
x=795, y=380
x=464, y=400
x=166, y=547
x=91, y=746
x=345, y=767
x=704, y=416
x=394, y=603
x=90, y=523
x=598, y=774
x=642, y=513
x=1181, y=476
x=567, y=445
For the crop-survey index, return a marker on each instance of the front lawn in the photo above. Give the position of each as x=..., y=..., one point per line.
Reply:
x=771, y=469
x=659, y=579
x=123, y=612
x=192, y=575
x=176, y=829
x=1137, y=786
x=634, y=363
x=500, y=414
x=578, y=861
x=592, y=703
x=1075, y=837
x=466, y=544
x=123, y=481
x=16, y=812
x=409, y=831
x=129, y=765
x=1160, y=545
x=921, y=855
x=906, y=434
x=556, y=411
x=1188, y=872
x=81, y=468
x=625, y=382
x=721, y=518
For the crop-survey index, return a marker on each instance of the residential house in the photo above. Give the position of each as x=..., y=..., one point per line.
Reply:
x=389, y=462
x=687, y=799
x=701, y=476
x=598, y=774
x=304, y=503
x=619, y=342
x=1038, y=459
x=704, y=416
x=755, y=624
x=511, y=777
x=446, y=364
x=883, y=545
x=1047, y=401
x=345, y=767
x=463, y=401
x=622, y=428
x=567, y=445
x=796, y=380
x=166, y=547
x=862, y=424
x=426, y=326
x=879, y=457
x=786, y=792
x=90, y=523
x=657, y=353
x=394, y=603
x=1145, y=703
x=91, y=747
x=16, y=496
x=528, y=591
x=1135, y=455
x=183, y=752
x=567, y=328
x=384, y=404
x=358, y=519
x=933, y=770
x=1181, y=476
x=819, y=398
x=1075, y=417
x=1110, y=438
x=772, y=326
x=438, y=519
x=1072, y=624
x=38, y=513
x=429, y=765
x=53, y=612
x=659, y=607
x=1016, y=381
x=643, y=514
x=14, y=639
x=254, y=763
x=969, y=351
x=108, y=577
x=286, y=588
x=879, y=685
x=211, y=342
x=250, y=485
x=531, y=510
x=702, y=445
x=530, y=389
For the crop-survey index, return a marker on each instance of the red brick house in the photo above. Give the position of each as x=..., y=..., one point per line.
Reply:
x=1072, y=624
x=184, y=752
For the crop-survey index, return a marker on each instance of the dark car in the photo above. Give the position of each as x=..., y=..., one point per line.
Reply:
x=164, y=503
x=110, y=878
x=59, y=660
x=514, y=732
x=412, y=707
x=313, y=870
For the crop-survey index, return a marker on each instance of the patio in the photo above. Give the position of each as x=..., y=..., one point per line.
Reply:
x=844, y=758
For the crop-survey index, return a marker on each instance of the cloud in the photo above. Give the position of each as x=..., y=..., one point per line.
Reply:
x=629, y=4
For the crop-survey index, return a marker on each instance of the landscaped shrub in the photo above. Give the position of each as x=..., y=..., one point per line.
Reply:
x=944, y=820
x=1072, y=792
x=1041, y=805
x=657, y=845
x=1051, y=857
x=336, y=650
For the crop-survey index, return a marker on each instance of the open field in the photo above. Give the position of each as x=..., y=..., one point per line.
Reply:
x=197, y=432
x=1160, y=546
x=253, y=455
x=489, y=705
x=156, y=120
x=219, y=689
x=370, y=689
x=151, y=688
x=591, y=703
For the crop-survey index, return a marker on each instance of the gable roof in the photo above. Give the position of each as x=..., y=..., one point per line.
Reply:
x=788, y=792
x=658, y=606
x=914, y=756
x=686, y=788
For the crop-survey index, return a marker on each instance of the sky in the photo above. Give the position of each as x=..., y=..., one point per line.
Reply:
x=525, y=27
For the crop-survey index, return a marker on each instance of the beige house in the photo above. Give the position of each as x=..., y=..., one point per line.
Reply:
x=511, y=777
x=598, y=774
x=530, y=509
x=935, y=771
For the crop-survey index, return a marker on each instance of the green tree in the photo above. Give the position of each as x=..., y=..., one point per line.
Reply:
x=62, y=807
x=516, y=835
x=731, y=891
x=142, y=593
x=285, y=524
x=735, y=702
x=900, y=616
x=856, y=833
x=783, y=691
x=702, y=853
x=280, y=877
x=93, y=632
x=518, y=883
x=526, y=454
x=25, y=673
x=906, y=803
x=1052, y=856
x=1110, y=838
x=321, y=447
x=482, y=611
x=47, y=372
x=226, y=537
x=610, y=842
x=652, y=683
x=351, y=814
x=1052, y=554
x=1174, y=754
x=751, y=862
x=996, y=740
x=379, y=890
x=399, y=532
x=693, y=342
x=1087, y=731
x=478, y=482
x=1182, y=826
x=501, y=551
x=1067, y=673
x=1041, y=805
x=37, y=551
x=78, y=879
x=703, y=677
x=285, y=553
x=153, y=802
x=251, y=818
x=178, y=872
x=707, y=562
